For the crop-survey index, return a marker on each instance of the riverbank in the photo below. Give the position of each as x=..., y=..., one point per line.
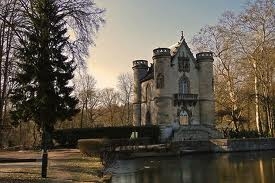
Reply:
x=224, y=145
x=65, y=165
x=195, y=146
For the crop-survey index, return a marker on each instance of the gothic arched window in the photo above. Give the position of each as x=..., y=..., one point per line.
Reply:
x=183, y=63
x=184, y=85
x=184, y=118
x=160, y=81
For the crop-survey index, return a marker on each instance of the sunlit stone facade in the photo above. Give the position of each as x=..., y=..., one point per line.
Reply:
x=175, y=90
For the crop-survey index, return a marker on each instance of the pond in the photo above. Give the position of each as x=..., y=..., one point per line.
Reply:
x=250, y=167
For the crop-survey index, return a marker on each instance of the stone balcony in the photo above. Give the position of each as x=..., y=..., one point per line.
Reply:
x=185, y=98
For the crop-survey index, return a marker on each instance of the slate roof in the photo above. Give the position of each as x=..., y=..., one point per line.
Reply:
x=175, y=48
x=149, y=75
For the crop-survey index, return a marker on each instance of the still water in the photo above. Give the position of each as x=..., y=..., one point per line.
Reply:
x=252, y=167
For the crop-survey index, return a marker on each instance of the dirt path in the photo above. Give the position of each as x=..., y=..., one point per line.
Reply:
x=66, y=165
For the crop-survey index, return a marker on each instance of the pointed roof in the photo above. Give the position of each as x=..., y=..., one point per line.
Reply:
x=175, y=48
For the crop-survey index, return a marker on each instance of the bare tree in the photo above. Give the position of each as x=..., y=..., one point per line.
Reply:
x=110, y=102
x=125, y=86
x=244, y=43
x=255, y=37
x=89, y=97
x=8, y=13
x=83, y=19
x=7, y=57
x=227, y=67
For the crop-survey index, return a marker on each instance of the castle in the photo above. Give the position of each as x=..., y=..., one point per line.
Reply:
x=176, y=90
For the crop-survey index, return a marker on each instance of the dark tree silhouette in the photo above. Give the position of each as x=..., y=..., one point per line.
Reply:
x=43, y=94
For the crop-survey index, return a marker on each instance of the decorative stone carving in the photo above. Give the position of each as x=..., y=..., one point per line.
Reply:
x=183, y=64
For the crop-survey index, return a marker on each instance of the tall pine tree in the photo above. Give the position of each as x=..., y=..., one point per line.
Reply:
x=43, y=94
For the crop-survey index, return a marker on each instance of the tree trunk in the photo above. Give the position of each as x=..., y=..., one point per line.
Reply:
x=81, y=118
x=257, y=109
x=128, y=112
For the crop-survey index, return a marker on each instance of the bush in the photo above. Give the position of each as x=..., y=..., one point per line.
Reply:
x=69, y=137
x=92, y=147
x=230, y=133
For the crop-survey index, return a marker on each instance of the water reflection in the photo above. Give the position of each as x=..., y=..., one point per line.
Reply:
x=253, y=167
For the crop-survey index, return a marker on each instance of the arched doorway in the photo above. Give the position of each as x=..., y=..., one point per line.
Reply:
x=148, y=119
x=184, y=118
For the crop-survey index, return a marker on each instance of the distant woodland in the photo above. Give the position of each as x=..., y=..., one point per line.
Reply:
x=244, y=49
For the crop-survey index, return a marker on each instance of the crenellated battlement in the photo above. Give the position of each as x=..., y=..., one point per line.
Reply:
x=140, y=63
x=204, y=55
x=161, y=52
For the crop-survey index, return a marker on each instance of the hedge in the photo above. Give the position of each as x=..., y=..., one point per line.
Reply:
x=233, y=134
x=69, y=137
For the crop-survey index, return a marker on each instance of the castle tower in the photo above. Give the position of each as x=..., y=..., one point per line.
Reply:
x=140, y=68
x=206, y=96
x=163, y=100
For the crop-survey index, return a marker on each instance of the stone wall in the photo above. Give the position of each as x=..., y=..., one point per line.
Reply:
x=196, y=132
x=224, y=145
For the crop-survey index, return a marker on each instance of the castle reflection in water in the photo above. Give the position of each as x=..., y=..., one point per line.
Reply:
x=251, y=167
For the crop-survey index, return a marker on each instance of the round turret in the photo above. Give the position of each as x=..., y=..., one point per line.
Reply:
x=162, y=62
x=140, y=68
x=162, y=82
x=140, y=63
x=205, y=56
x=206, y=96
x=161, y=52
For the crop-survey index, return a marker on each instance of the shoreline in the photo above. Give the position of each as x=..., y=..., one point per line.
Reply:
x=197, y=146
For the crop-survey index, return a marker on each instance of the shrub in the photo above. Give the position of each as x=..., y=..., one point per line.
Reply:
x=69, y=137
x=230, y=133
x=92, y=147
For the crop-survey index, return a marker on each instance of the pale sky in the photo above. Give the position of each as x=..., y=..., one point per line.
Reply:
x=135, y=27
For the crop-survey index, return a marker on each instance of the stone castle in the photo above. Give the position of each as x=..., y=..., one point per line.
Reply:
x=176, y=91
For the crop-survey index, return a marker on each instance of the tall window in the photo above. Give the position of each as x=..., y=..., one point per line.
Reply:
x=184, y=85
x=184, y=118
x=160, y=81
x=183, y=64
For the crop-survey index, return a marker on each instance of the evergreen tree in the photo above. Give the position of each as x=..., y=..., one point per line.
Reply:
x=43, y=93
